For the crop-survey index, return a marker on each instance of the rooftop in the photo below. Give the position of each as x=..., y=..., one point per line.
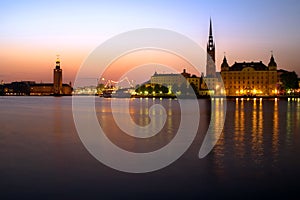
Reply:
x=258, y=66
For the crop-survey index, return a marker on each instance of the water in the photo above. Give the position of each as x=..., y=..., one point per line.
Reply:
x=42, y=157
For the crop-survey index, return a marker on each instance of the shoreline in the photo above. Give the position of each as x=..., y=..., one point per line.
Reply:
x=169, y=96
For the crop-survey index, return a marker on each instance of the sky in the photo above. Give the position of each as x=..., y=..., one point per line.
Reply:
x=32, y=33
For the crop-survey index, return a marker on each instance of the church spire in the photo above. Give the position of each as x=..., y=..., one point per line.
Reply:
x=210, y=28
x=211, y=44
x=210, y=62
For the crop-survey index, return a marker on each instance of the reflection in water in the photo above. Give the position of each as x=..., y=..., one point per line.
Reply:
x=218, y=106
x=257, y=132
x=275, y=139
x=169, y=119
x=289, y=121
x=250, y=131
x=40, y=149
x=297, y=125
x=239, y=129
x=253, y=129
x=140, y=112
x=57, y=118
x=144, y=112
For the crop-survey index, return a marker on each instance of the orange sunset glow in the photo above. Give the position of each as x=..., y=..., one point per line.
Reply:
x=149, y=61
x=32, y=33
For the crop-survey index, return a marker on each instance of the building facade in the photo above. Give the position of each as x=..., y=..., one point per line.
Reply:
x=167, y=80
x=56, y=88
x=250, y=78
x=181, y=82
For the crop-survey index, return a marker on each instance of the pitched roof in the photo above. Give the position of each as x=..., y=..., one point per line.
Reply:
x=258, y=66
x=156, y=74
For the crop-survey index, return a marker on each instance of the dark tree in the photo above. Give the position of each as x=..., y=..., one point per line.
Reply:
x=156, y=88
x=164, y=89
x=289, y=80
x=149, y=89
x=142, y=88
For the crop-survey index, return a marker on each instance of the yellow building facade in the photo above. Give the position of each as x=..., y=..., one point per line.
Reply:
x=250, y=78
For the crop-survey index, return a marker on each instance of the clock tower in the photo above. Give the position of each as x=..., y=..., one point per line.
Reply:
x=57, y=78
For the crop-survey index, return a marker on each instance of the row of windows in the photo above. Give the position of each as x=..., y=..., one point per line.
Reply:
x=166, y=80
x=243, y=87
x=243, y=77
x=193, y=80
x=248, y=72
x=253, y=82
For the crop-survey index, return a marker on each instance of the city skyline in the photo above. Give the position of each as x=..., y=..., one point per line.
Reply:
x=32, y=33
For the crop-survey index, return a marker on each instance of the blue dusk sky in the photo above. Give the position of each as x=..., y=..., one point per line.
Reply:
x=33, y=32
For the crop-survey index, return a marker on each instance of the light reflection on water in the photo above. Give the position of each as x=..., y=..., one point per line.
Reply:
x=275, y=138
x=257, y=133
x=260, y=145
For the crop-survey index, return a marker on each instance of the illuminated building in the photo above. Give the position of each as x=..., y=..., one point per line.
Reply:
x=167, y=80
x=183, y=80
x=250, y=78
x=56, y=88
x=192, y=80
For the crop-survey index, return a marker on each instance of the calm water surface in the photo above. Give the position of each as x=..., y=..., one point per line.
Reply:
x=42, y=157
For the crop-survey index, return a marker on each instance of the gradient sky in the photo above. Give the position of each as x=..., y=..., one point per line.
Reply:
x=33, y=32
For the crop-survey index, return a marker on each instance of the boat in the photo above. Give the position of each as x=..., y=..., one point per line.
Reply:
x=122, y=93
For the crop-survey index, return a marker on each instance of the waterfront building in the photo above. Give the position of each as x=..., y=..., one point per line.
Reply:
x=192, y=80
x=168, y=80
x=39, y=89
x=179, y=81
x=195, y=81
x=250, y=78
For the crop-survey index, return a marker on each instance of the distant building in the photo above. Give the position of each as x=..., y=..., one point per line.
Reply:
x=32, y=88
x=180, y=81
x=168, y=80
x=250, y=78
x=15, y=88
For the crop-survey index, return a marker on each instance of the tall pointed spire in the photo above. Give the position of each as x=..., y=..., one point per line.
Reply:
x=211, y=44
x=210, y=62
x=210, y=27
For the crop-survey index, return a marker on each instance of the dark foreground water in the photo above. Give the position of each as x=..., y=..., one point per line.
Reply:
x=42, y=157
